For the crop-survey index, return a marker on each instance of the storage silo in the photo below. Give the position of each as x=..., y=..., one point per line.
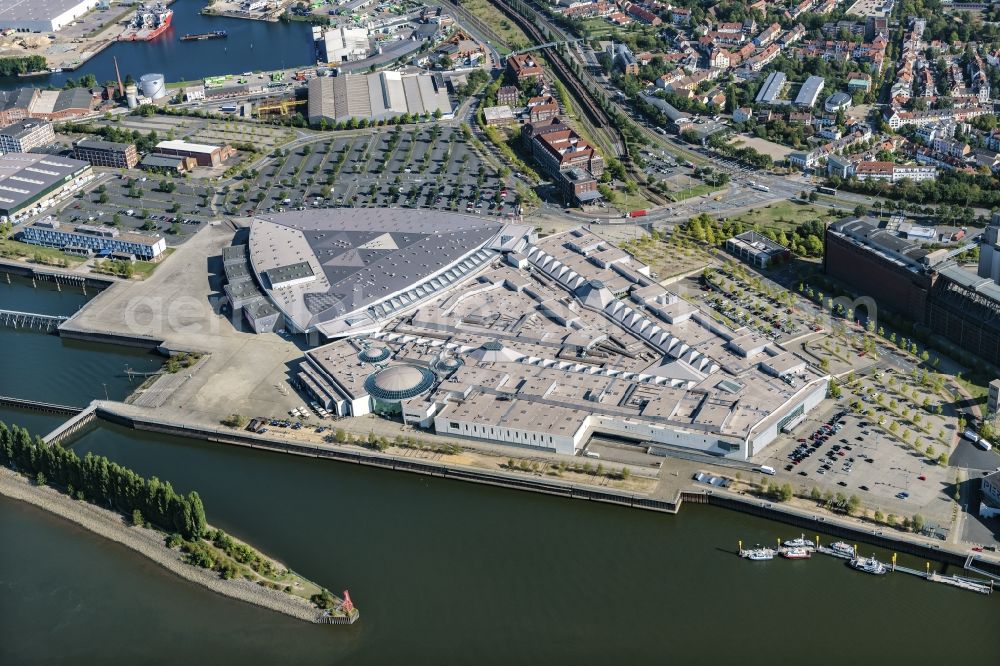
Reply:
x=132, y=96
x=153, y=86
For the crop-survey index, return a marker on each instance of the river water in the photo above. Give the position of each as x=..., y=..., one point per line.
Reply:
x=251, y=45
x=443, y=572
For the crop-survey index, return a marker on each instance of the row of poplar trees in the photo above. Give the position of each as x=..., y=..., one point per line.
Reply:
x=102, y=482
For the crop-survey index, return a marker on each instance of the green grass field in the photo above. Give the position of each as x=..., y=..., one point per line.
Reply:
x=46, y=255
x=500, y=24
x=696, y=191
x=627, y=202
x=785, y=215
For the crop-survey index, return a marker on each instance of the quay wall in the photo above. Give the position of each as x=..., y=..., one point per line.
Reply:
x=391, y=462
x=946, y=553
x=880, y=537
x=138, y=341
x=48, y=273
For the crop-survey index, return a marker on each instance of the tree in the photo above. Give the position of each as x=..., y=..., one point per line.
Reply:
x=853, y=504
x=917, y=523
x=137, y=518
x=234, y=420
x=785, y=493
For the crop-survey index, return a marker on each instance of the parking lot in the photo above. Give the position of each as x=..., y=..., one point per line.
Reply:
x=429, y=167
x=135, y=201
x=747, y=299
x=854, y=457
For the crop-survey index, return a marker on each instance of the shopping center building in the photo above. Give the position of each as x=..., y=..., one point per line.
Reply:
x=474, y=328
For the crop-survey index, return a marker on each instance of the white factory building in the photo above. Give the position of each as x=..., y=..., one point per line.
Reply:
x=341, y=44
x=42, y=15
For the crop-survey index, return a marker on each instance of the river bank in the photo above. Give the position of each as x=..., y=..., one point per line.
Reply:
x=669, y=496
x=150, y=544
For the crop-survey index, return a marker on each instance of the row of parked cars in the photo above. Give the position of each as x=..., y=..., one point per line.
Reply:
x=808, y=446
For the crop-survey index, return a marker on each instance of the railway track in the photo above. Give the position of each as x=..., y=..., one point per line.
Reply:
x=595, y=114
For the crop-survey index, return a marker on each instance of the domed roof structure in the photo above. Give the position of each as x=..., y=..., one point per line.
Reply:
x=399, y=382
x=374, y=354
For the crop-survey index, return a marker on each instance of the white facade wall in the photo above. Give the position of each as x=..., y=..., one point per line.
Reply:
x=39, y=18
x=444, y=425
x=769, y=434
x=707, y=442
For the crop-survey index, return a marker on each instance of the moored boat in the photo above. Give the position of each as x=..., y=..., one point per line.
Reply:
x=842, y=548
x=800, y=542
x=148, y=23
x=796, y=553
x=869, y=565
x=758, y=554
x=215, y=34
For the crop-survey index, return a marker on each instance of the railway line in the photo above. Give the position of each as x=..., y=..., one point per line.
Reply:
x=594, y=113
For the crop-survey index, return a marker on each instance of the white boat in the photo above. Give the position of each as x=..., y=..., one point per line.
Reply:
x=796, y=553
x=842, y=548
x=758, y=554
x=869, y=565
x=800, y=542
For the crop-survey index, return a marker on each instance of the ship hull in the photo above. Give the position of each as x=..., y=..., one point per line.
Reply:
x=131, y=35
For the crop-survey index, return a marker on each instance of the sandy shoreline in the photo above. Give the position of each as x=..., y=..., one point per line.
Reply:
x=149, y=543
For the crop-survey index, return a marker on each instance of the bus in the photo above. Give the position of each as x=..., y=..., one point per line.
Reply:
x=827, y=190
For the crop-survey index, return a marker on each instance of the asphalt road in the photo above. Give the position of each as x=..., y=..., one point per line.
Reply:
x=970, y=456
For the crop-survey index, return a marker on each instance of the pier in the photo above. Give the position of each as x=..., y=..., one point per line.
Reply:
x=39, y=406
x=76, y=423
x=970, y=565
x=978, y=585
x=31, y=320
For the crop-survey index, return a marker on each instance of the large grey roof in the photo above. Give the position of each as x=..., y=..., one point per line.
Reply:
x=34, y=10
x=361, y=257
x=16, y=99
x=22, y=128
x=669, y=110
x=984, y=286
x=880, y=240
x=23, y=176
x=100, y=144
x=74, y=98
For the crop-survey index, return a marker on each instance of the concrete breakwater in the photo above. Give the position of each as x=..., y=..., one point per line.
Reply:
x=944, y=553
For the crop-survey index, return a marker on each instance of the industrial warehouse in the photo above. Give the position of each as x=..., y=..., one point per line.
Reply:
x=42, y=15
x=926, y=286
x=29, y=181
x=484, y=331
x=376, y=96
